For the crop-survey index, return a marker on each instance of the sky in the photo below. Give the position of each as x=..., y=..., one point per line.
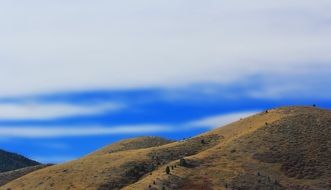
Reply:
x=78, y=75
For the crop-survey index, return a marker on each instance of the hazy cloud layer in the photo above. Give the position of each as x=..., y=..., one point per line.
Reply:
x=68, y=131
x=42, y=110
x=221, y=120
x=71, y=131
x=50, y=46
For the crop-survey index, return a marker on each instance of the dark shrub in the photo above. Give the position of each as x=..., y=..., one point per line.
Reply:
x=182, y=162
x=167, y=170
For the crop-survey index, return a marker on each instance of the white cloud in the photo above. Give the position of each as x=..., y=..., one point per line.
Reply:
x=8, y=132
x=39, y=110
x=67, y=131
x=66, y=45
x=220, y=120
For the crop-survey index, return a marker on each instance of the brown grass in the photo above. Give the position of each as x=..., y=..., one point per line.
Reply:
x=6, y=177
x=291, y=151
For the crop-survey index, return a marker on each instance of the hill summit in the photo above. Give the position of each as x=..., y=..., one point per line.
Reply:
x=278, y=149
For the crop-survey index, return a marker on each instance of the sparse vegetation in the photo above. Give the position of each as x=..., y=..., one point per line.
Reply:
x=6, y=177
x=167, y=170
x=182, y=162
x=291, y=151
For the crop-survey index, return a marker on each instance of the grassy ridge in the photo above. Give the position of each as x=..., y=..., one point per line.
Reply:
x=284, y=148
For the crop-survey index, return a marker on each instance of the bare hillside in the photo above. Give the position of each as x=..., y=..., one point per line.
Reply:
x=285, y=148
x=6, y=177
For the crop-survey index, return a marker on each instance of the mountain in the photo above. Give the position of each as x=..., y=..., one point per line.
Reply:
x=11, y=161
x=284, y=148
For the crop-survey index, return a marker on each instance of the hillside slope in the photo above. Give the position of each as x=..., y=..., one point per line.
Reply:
x=285, y=148
x=11, y=161
x=6, y=177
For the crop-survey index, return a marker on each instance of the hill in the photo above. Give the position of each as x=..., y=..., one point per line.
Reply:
x=284, y=148
x=133, y=144
x=11, y=161
x=6, y=177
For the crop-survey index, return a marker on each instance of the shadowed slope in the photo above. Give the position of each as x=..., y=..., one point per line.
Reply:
x=11, y=161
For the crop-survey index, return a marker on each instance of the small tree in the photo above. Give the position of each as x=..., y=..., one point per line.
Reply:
x=182, y=162
x=167, y=170
x=276, y=182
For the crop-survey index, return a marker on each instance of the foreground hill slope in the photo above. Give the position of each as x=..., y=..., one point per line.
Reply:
x=11, y=161
x=285, y=148
x=6, y=177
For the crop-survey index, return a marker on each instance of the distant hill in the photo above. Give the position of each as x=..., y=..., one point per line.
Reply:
x=11, y=161
x=284, y=148
x=133, y=144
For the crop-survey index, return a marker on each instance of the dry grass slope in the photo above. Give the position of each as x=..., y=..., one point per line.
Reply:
x=6, y=177
x=285, y=148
